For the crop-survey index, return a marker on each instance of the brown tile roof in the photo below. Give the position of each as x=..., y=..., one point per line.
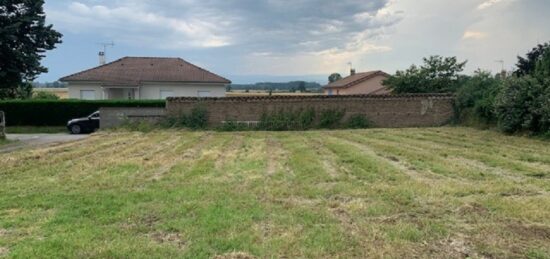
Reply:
x=355, y=79
x=134, y=70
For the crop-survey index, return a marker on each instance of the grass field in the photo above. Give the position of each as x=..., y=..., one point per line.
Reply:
x=441, y=192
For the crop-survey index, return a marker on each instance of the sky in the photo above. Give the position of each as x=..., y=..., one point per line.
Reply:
x=251, y=41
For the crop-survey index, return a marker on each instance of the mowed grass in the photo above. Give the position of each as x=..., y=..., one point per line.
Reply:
x=439, y=192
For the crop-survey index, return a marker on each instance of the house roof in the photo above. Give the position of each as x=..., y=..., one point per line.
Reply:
x=134, y=70
x=355, y=79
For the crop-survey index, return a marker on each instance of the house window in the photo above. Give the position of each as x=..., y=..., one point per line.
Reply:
x=166, y=93
x=203, y=93
x=87, y=94
x=329, y=91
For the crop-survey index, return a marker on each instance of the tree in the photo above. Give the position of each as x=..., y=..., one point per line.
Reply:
x=24, y=37
x=526, y=66
x=475, y=100
x=334, y=77
x=436, y=75
x=523, y=105
x=302, y=86
x=542, y=68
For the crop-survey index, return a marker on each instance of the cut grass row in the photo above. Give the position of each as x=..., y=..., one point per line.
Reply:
x=447, y=192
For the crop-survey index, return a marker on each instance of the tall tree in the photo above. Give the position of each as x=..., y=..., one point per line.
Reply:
x=24, y=38
x=302, y=86
x=542, y=68
x=437, y=75
x=334, y=77
x=526, y=65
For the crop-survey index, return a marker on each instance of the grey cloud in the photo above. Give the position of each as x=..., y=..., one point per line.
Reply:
x=274, y=26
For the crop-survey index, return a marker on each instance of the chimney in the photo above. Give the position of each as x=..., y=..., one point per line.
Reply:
x=101, y=58
x=352, y=71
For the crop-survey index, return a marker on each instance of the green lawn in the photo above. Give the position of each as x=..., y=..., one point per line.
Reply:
x=439, y=192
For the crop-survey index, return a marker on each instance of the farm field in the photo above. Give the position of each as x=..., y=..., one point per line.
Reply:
x=436, y=192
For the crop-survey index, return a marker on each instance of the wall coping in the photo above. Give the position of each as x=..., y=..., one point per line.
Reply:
x=313, y=97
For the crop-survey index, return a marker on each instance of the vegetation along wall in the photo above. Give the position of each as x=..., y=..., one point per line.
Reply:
x=416, y=110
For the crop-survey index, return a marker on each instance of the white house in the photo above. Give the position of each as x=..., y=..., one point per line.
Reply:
x=145, y=78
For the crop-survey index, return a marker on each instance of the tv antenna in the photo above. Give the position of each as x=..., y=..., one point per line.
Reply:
x=501, y=62
x=103, y=54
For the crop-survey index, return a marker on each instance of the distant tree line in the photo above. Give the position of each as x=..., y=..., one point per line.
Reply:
x=293, y=86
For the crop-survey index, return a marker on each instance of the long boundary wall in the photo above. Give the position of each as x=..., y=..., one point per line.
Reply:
x=392, y=111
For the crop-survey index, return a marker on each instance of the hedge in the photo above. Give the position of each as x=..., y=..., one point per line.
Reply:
x=58, y=112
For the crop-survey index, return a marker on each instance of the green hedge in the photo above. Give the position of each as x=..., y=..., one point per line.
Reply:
x=58, y=112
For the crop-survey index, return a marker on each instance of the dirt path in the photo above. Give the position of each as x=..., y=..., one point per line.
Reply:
x=36, y=140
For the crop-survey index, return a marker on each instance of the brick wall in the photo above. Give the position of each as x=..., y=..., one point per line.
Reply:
x=418, y=110
x=115, y=116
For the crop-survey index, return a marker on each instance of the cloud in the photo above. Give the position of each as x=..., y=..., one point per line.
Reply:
x=473, y=35
x=488, y=3
x=278, y=26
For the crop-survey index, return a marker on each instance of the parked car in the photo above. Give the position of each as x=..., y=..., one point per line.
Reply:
x=84, y=125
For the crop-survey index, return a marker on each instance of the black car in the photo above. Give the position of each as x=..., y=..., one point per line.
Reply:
x=84, y=125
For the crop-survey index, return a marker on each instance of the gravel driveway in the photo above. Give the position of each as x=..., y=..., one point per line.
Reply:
x=32, y=140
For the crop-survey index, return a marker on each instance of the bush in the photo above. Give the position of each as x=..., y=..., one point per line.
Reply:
x=330, y=119
x=232, y=125
x=197, y=119
x=41, y=95
x=475, y=100
x=523, y=105
x=301, y=119
x=58, y=112
x=358, y=121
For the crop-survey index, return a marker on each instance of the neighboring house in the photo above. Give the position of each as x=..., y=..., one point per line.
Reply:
x=145, y=78
x=359, y=83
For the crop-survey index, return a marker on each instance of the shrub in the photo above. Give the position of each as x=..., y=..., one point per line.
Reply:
x=141, y=126
x=522, y=105
x=330, y=119
x=358, y=121
x=475, y=100
x=301, y=119
x=41, y=95
x=232, y=125
x=58, y=112
x=197, y=119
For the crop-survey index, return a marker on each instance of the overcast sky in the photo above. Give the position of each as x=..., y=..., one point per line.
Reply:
x=276, y=40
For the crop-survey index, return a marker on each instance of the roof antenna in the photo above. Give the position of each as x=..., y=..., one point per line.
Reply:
x=351, y=69
x=103, y=54
x=501, y=64
x=502, y=71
